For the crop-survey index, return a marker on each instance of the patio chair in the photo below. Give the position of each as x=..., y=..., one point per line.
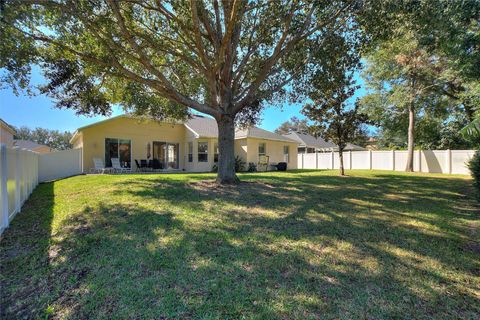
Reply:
x=99, y=167
x=118, y=168
x=263, y=162
x=143, y=164
x=139, y=167
x=156, y=164
x=281, y=166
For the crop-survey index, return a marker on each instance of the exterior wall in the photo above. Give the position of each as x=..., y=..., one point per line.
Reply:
x=6, y=136
x=195, y=165
x=274, y=150
x=241, y=149
x=92, y=140
x=140, y=132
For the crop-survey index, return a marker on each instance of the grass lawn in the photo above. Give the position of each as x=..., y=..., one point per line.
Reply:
x=297, y=245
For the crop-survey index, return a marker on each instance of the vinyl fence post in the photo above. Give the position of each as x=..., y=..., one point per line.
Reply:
x=3, y=188
x=333, y=159
x=393, y=160
x=370, y=159
x=316, y=159
x=350, y=159
x=303, y=166
x=449, y=161
x=419, y=160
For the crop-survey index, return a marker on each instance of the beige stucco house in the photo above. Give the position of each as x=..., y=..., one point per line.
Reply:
x=6, y=134
x=189, y=146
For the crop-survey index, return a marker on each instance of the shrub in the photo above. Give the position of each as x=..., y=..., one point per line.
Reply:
x=252, y=167
x=239, y=165
x=474, y=166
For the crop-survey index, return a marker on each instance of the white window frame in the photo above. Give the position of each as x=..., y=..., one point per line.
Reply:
x=198, y=151
x=215, y=152
x=287, y=154
x=118, y=141
x=264, y=149
x=190, y=151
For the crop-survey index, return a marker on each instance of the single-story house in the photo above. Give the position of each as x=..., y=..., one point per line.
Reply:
x=190, y=146
x=32, y=146
x=309, y=144
x=6, y=133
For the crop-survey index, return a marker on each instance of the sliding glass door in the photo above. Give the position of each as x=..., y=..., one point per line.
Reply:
x=118, y=148
x=166, y=153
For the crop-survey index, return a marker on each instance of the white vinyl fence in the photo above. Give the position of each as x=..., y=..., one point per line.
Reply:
x=21, y=170
x=18, y=178
x=431, y=161
x=60, y=164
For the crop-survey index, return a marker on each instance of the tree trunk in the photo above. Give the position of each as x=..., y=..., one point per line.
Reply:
x=226, y=157
x=342, y=169
x=411, y=126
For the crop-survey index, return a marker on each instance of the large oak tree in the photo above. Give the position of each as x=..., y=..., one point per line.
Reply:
x=164, y=58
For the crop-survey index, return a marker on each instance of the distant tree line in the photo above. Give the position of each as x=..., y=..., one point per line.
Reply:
x=55, y=139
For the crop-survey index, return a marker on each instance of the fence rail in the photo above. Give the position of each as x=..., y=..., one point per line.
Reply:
x=431, y=161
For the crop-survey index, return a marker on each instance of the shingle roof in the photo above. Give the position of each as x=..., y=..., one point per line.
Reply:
x=207, y=128
x=27, y=144
x=354, y=147
x=255, y=132
x=202, y=126
x=310, y=141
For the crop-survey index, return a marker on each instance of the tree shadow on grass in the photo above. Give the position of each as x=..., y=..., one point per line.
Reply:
x=402, y=222
x=276, y=249
x=24, y=257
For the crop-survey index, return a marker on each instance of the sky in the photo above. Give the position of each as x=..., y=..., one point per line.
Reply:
x=39, y=111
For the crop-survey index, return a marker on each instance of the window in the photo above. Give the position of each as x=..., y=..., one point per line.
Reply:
x=262, y=149
x=190, y=152
x=166, y=154
x=203, y=152
x=215, y=152
x=118, y=148
x=286, y=154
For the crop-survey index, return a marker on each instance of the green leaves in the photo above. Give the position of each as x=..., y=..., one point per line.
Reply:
x=472, y=130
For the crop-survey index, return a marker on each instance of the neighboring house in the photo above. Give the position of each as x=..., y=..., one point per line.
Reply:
x=6, y=133
x=310, y=144
x=32, y=146
x=191, y=146
x=372, y=144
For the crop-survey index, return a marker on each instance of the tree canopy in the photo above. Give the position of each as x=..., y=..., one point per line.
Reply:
x=161, y=58
x=55, y=139
x=293, y=125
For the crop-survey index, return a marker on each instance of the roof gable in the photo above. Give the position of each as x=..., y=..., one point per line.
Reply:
x=6, y=126
x=202, y=126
